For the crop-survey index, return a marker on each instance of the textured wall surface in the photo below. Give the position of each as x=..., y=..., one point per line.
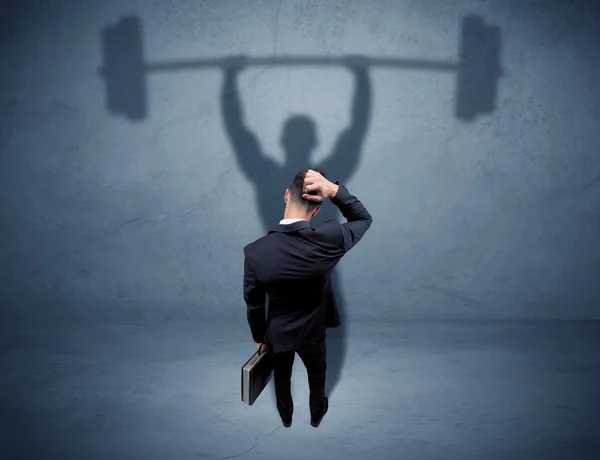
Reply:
x=122, y=322
x=495, y=218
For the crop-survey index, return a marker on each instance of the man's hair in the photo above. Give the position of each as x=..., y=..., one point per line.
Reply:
x=297, y=190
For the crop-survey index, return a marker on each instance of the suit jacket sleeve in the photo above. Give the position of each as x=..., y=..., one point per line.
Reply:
x=255, y=297
x=359, y=219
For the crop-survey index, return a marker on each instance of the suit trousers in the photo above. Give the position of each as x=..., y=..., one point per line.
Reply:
x=314, y=357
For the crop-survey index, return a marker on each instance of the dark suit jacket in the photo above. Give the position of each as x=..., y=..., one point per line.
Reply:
x=292, y=265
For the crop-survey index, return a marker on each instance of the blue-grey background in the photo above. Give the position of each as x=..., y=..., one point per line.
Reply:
x=122, y=319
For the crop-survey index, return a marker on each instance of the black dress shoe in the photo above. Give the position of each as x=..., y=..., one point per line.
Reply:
x=317, y=422
x=286, y=422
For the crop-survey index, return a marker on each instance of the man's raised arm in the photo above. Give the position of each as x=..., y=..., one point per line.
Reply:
x=317, y=188
x=359, y=219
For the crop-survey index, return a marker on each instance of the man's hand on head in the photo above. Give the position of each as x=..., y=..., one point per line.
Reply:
x=317, y=187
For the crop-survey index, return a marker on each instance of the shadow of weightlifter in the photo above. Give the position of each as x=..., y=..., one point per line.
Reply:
x=299, y=140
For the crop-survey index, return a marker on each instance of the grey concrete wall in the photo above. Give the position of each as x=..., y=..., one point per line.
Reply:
x=497, y=218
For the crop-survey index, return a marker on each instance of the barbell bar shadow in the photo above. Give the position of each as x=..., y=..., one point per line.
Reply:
x=124, y=70
x=415, y=64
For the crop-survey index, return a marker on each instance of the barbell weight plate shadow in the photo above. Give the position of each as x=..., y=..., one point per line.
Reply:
x=478, y=70
x=123, y=71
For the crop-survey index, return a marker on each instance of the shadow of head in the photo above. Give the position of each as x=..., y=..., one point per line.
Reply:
x=299, y=140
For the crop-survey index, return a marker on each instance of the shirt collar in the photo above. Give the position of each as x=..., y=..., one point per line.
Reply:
x=289, y=221
x=297, y=225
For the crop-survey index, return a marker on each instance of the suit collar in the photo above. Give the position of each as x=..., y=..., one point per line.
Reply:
x=294, y=227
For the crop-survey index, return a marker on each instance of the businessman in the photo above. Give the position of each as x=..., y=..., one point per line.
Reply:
x=292, y=265
x=300, y=142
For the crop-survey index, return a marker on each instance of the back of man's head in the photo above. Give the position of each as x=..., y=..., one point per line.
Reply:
x=297, y=190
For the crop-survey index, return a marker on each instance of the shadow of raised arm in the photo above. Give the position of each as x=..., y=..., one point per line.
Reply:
x=245, y=144
x=344, y=159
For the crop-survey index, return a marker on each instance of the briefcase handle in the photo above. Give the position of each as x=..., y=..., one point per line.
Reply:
x=261, y=352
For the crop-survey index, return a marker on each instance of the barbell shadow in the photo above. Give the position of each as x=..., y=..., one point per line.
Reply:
x=477, y=67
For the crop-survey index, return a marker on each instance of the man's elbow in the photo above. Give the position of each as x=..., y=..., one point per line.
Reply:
x=367, y=217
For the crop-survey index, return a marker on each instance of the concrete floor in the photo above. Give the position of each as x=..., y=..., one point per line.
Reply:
x=416, y=390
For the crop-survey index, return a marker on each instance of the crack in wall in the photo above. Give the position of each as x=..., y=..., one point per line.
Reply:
x=128, y=222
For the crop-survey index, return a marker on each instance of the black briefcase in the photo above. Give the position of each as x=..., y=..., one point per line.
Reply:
x=256, y=374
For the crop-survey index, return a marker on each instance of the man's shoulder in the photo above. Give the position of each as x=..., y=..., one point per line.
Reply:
x=327, y=230
x=328, y=224
x=249, y=248
x=255, y=245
